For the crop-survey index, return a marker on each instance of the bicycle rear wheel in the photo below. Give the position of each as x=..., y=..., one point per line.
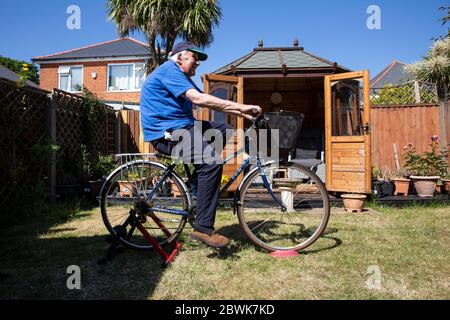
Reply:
x=123, y=204
x=292, y=222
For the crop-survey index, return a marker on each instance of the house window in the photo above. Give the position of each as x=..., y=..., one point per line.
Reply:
x=71, y=78
x=125, y=77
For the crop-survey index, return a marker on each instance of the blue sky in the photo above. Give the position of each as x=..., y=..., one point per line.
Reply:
x=333, y=29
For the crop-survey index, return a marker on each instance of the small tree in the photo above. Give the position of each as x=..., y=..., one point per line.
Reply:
x=17, y=66
x=435, y=68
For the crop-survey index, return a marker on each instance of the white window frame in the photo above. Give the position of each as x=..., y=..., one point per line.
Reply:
x=133, y=64
x=69, y=81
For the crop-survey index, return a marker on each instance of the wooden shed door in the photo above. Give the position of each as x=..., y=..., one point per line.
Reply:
x=347, y=132
x=228, y=88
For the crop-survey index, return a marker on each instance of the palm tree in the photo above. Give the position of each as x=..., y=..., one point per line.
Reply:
x=435, y=68
x=163, y=21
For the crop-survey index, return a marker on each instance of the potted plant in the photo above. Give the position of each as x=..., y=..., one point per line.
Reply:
x=102, y=167
x=426, y=168
x=128, y=183
x=446, y=184
x=94, y=171
x=401, y=182
x=376, y=183
x=353, y=202
x=385, y=179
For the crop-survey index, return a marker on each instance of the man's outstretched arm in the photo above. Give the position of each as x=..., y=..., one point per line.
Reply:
x=209, y=101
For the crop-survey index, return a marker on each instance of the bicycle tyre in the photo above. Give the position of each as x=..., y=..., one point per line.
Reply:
x=118, y=224
x=279, y=237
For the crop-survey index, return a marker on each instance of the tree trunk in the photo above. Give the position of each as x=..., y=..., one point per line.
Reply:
x=151, y=65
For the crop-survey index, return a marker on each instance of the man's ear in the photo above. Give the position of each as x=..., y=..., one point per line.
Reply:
x=179, y=61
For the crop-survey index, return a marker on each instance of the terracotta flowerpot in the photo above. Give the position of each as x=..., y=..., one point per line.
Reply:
x=401, y=186
x=446, y=186
x=127, y=188
x=353, y=202
x=425, y=186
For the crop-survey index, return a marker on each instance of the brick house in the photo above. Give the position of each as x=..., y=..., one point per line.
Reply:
x=113, y=70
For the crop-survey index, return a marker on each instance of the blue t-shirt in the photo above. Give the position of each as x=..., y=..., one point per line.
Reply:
x=162, y=106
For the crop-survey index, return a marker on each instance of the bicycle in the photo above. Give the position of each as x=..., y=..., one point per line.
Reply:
x=280, y=205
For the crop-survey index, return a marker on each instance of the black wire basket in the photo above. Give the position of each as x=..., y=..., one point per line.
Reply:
x=289, y=124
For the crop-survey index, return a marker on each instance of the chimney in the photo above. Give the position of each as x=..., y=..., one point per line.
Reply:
x=260, y=44
x=295, y=42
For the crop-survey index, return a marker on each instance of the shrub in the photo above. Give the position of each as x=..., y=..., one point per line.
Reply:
x=429, y=163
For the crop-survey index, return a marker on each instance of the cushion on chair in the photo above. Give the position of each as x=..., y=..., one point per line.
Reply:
x=308, y=163
x=306, y=154
x=310, y=144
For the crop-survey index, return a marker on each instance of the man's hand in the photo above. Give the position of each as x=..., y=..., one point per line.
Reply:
x=250, y=111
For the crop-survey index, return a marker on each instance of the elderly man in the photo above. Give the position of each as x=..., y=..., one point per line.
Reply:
x=166, y=105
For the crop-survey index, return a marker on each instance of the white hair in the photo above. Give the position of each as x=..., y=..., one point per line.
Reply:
x=174, y=57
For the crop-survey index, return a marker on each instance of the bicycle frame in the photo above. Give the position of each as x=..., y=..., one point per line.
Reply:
x=246, y=163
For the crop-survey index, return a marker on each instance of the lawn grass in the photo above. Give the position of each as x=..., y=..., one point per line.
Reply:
x=410, y=247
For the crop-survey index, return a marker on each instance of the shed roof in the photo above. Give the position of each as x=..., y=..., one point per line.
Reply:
x=283, y=59
x=394, y=74
x=122, y=47
x=7, y=74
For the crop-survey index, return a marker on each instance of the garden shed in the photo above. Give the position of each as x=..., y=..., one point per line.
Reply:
x=334, y=100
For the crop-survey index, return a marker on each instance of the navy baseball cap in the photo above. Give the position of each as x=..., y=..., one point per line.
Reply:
x=181, y=46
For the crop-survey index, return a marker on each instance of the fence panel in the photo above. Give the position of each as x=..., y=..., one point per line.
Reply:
x=23, y=127
x=131, y=136
x=401, y=125
x=31, y=119
x=413, y=92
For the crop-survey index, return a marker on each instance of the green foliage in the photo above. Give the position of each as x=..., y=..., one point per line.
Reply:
x=94, y=165
x=93, y=168
x=445, y=19
x=132, y=175
x=435, y=68
x=18, y=66
x=429, y=163
x=389, y=95
x=24, y=166
x=104, y=165
x=179, y=167
x=25, y=184
x=92, y=110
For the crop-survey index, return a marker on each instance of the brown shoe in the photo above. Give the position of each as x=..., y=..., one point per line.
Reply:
x=214, y=240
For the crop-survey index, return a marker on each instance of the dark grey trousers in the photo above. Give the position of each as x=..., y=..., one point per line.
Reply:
x=207, y=174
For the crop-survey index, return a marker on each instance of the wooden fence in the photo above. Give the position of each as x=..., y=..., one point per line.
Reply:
x=23, y=124
x=31, y=119
x=66, y=129
x=130, y=138
x=404, y=124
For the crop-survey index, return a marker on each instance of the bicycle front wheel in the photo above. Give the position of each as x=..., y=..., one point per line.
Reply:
x=291, y=214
